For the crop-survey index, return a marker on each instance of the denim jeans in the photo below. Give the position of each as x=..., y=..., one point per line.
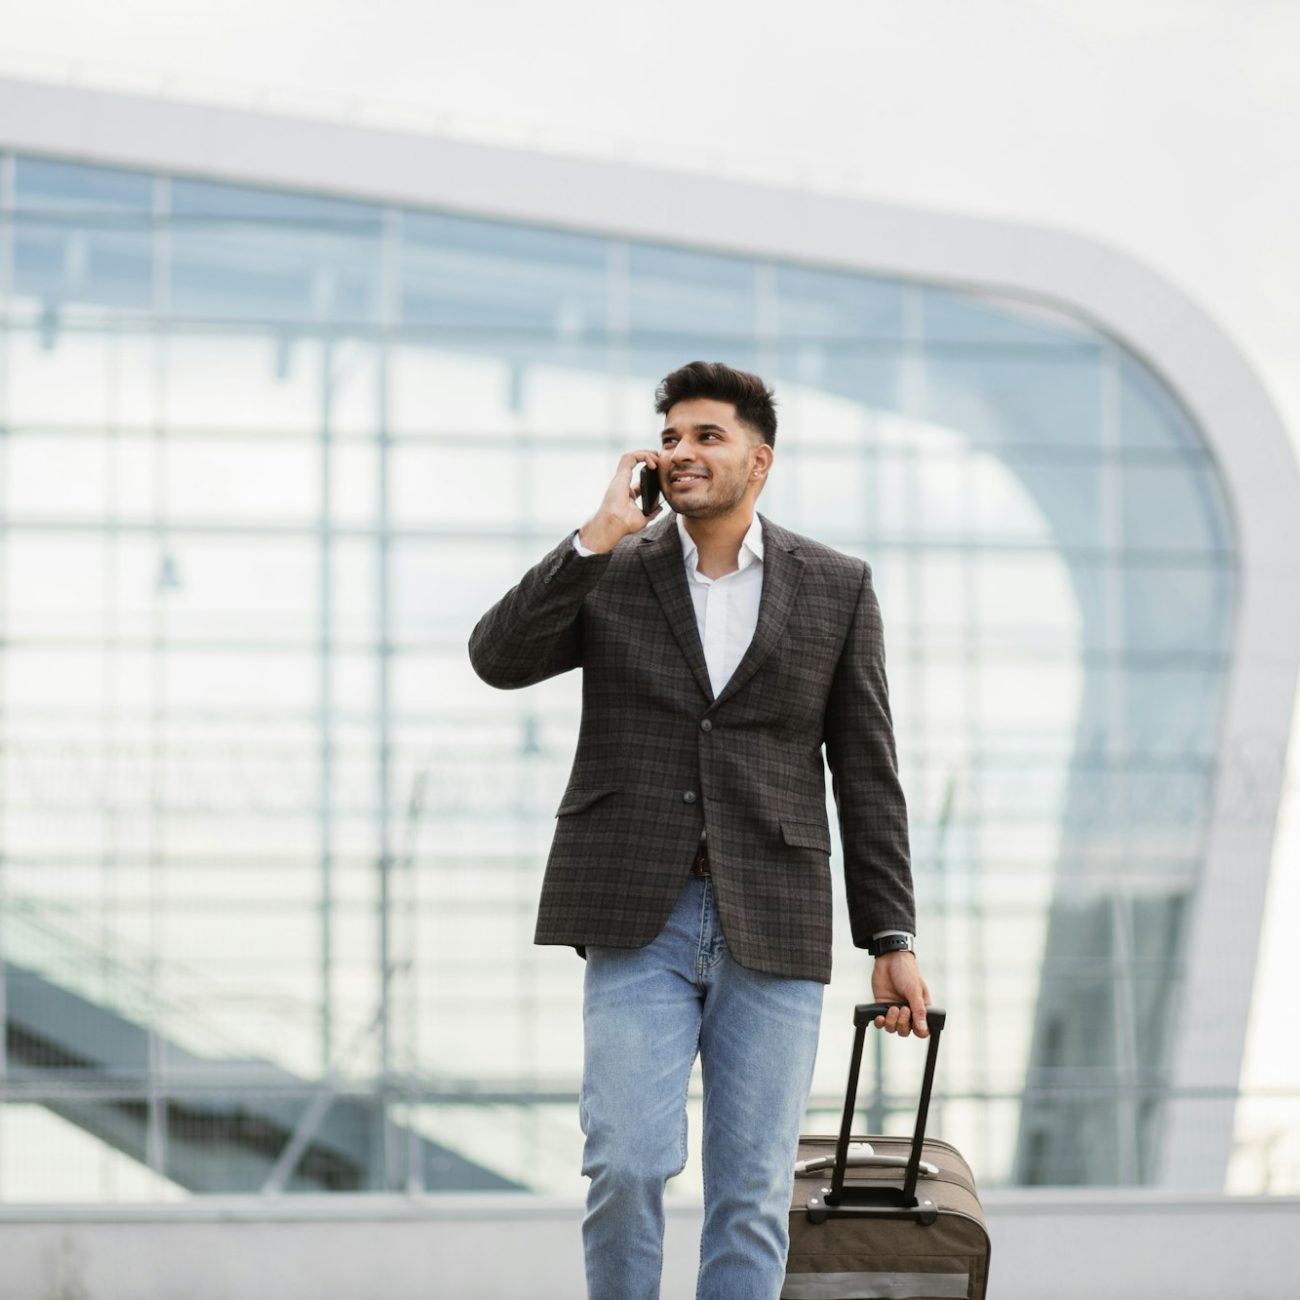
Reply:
x=646, y=1012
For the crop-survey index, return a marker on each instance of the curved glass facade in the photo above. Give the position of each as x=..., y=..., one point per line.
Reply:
x=271, y=851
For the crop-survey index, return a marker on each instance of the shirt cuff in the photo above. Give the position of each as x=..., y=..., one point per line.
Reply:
x=579, y=547
x=881, y=934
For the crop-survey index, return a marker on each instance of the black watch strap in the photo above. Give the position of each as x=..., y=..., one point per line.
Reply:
x=891, y=943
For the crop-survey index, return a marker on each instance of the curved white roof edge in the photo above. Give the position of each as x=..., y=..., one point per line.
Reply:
x=1112, y=291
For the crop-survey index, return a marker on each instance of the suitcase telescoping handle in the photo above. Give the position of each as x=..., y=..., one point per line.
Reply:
x=862, y=1017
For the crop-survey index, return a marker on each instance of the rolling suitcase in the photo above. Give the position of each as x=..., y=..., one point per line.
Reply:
x=883, y=1218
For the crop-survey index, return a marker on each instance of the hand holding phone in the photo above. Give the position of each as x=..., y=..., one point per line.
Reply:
x=630, y=501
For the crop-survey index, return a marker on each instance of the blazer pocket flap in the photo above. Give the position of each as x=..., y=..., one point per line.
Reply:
x=583, y=797
x=806, y=834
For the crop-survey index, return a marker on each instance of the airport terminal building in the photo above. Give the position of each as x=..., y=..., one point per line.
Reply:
x=286, y=405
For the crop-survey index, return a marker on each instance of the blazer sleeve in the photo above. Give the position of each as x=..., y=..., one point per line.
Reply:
x=535, y=630
x=859, y=737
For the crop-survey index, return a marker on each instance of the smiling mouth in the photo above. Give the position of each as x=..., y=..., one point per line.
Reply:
x=687, y=478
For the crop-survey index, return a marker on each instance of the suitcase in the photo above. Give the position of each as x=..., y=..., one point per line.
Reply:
x=885, y=1218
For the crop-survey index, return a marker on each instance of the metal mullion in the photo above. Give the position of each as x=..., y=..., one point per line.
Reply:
x=155, y=1143
x=325, y=720
x=6, y=283
x=390, y=316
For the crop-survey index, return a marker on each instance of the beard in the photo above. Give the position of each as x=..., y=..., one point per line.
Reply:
x=723, y=495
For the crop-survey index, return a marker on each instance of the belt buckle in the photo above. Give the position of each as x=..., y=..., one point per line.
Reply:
x=700, y=866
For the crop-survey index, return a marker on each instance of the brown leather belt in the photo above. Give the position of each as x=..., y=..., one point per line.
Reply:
x=700, y=867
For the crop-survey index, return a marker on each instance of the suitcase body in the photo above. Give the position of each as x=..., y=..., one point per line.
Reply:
x=894, y=1219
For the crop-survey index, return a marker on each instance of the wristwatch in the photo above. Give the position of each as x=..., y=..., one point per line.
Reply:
x=891, y=943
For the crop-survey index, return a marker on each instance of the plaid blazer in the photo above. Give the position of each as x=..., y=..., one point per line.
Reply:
x=659, y=758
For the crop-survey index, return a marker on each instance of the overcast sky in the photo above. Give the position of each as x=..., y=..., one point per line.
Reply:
x=1167, y=128
x=1170, y=128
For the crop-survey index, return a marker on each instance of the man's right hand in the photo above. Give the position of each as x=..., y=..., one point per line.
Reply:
x=619, y=513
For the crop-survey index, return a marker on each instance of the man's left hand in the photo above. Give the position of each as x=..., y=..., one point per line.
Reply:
x=897, y=978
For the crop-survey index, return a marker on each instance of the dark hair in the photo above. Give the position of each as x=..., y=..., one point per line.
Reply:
x=754, y=401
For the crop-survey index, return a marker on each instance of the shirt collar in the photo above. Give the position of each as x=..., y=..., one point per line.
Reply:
x=751, y=545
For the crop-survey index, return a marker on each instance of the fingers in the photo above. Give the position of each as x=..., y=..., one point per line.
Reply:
x=909, y=1019
x=898, y=1021
x=917, y=1005
x=650, y=455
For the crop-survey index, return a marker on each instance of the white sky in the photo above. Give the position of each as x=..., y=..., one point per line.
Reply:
x=1167, y=128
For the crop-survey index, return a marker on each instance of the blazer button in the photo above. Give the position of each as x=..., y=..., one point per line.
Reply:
x=706, y=725
x=688, y=797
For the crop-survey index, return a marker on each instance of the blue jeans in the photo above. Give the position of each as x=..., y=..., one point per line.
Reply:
x=646, y=1012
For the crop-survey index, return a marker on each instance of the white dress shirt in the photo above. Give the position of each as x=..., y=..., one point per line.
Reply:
x=726, y=608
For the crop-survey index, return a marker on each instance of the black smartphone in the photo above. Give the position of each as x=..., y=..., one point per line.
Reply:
x=649, y=489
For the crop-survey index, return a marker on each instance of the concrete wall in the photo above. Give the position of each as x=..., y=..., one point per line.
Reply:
x=1063, y=1245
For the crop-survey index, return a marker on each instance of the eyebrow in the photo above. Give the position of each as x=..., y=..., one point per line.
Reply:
x=699, y=428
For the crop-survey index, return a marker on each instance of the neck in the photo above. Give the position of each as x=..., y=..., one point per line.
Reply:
x=719, y=539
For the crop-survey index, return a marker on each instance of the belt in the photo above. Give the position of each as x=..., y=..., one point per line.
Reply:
x=700, y=867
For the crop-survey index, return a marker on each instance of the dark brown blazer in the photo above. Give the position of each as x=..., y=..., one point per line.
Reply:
x=659, y=758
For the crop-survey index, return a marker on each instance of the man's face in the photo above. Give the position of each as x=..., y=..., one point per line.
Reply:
x=709, y=459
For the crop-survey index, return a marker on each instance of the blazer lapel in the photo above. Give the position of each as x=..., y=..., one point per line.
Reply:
x=782, y=574
x=661, y=553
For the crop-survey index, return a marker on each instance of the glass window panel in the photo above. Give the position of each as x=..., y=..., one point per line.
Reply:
x=241, y=481
x=578, y=403
x=996, y=397
x=438, y=596
x=1173, y=507
x=205, y=773
x=1171, y=704
x=354, y=483
x=65, y=384
x=687, y=306
x=82, y=235
x=893, y=485
x=819, y=484
x=836, y=307
x=1028, y=697
x=437, y=390
x=1006, y=505
x=956, y=317
x=946, y=590
x=55, y=679
x=474, y=482
x=354, y=592
x=1169, y=608
x=264, y=589
x=251, y=680
x=254, y=383
x=1026, y=600
x=1068, y=499
x=810, y=419
x=561, y=488
x=486, y=279
x=45, y=1159
x=64, y=476
x=351, y=406
x=1149, y=414
x=261, y=255
x=824, y=391
x=54, y=585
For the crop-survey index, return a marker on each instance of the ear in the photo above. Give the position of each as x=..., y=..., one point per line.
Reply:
x=762, y=462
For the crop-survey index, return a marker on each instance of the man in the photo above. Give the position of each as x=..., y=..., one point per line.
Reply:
x=690, y=862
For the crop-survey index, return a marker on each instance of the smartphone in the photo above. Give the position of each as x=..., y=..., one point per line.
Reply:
x=649, y=489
